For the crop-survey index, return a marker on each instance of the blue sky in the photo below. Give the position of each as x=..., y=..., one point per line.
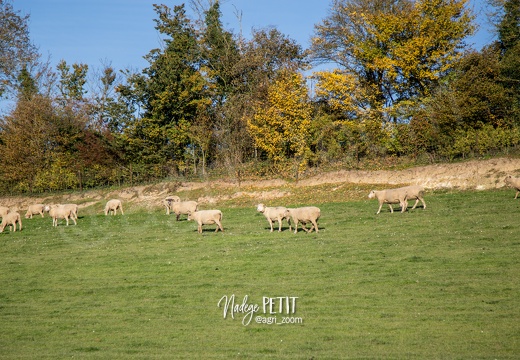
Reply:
x=121, y=32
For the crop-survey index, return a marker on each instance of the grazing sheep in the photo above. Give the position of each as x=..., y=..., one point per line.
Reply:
x=183, y=207
x=414, y=192
x=34, y=210
x=3, y=211
x=112, y=206
x=168, y=202
x=73, y=208
x=61, y=212
x=11, y=219
x=399, y=196
x=274, y=214
x=206, y=217
x=304, y=215
x=392, y=196
x=514, y=183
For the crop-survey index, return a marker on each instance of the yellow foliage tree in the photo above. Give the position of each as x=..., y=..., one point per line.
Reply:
x=397, y=50
x=280, y=127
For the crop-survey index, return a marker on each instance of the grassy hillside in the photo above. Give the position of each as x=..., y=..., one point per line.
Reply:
x=434, y=283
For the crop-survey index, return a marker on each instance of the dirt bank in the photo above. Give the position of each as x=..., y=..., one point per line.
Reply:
x=477, y=174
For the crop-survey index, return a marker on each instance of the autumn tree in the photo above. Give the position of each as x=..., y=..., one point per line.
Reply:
x=397, y=50
x=280, y=127
x=262, y=58
x=39, y=146
x=16, y=50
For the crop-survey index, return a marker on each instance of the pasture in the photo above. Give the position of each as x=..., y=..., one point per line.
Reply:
x=440, y=283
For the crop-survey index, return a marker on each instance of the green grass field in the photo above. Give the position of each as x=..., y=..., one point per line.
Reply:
x=440, y=283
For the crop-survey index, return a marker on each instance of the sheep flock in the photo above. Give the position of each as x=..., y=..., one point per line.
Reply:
x=173, y=204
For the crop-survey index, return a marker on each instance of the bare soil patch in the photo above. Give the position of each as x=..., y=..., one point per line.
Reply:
x=475, y=174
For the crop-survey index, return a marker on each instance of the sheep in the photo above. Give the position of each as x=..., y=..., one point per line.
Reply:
x=34, y=210
x=514, y=183
x=183, y=207
x=274, y=214
x=414, y=192
x=399, y=196
x=167, y=202
x=206, y=217
x=73, y=208
x=11, y=219
x=391, y=196
x=112, y=206
x=3, y=211
x=304, y=215
x=61, y=212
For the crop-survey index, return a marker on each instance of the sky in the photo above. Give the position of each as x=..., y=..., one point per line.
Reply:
x=120, y=32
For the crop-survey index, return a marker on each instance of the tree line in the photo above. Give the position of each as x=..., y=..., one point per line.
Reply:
x=401, y=84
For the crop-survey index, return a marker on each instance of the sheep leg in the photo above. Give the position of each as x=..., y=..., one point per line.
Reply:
x=391, y=208
x=199, y=229
x=280, y=224
x=416, y=202
x=517, y=192
x=315, y=225
x=121, y=208
x=270, y=223
x=178, y=215
x=305, y=227
x=219, y=226
x=404, y=205
x=296, y=227
x=380, y=206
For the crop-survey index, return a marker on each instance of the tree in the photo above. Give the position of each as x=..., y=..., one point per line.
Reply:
x=16, y=50
x=507, y=22
x=397, y=50
x=39, y=146
x=169, y=91
x=219, y=53
x=72, y=83
x=262, y=58
x=281, y=127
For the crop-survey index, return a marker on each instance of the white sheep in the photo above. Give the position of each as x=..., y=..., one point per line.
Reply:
x=391, y=196
x=183, y=208
x=3, y=211
x=514, y=183
x=167, y=202
x=112, y=206
x=304, y=215
x=34, y=209
x=414, y=192
x=61, y=212
x=11, y=219
x=206, y=217
x=274, y=214
x=74, y=209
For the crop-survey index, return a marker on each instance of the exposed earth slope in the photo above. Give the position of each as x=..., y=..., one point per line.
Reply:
x=476, y=174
